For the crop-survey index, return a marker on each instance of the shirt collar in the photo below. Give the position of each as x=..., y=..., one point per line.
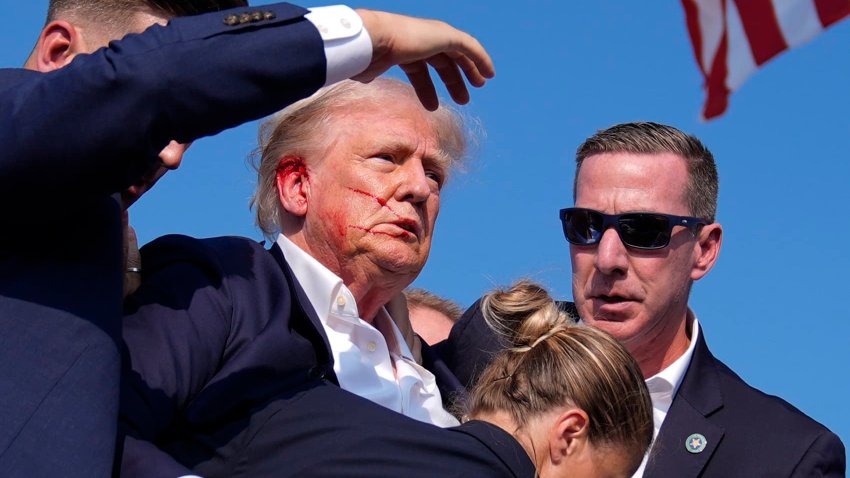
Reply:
x=329, y=295
x=383, y=320
x=669, y=379
x=324, y=289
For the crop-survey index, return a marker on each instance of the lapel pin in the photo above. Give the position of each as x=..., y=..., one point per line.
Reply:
x=696, y=443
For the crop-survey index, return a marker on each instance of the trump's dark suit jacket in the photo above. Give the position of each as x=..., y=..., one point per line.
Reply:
x=748, y=433
x=218, y=332
x=320, y=430
x=70, y=139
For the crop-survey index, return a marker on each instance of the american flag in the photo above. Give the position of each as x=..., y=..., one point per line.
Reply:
x=733, y=38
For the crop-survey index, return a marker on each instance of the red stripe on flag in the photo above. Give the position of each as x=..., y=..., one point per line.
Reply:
x=717, y=98
x=762, y=29
x=692, y=20
x=717, y=94
x=830, y=11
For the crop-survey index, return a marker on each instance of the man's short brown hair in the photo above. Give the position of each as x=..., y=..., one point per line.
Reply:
x=423, y=298
x=654, y=138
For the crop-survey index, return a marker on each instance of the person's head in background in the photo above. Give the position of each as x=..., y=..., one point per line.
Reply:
x=431, y=316
x=570, y=394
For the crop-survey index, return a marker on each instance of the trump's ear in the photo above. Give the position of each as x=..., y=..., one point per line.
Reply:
x=58, y=44
x=706, y=250
x=292, y=185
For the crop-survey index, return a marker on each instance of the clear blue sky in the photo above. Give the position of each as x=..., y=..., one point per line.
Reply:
x=776, y=306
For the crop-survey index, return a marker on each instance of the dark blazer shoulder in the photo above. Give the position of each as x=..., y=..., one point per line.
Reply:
x=216, y=256
x=472, y=343
x=747, y=432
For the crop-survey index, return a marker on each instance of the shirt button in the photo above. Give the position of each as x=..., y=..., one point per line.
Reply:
x=371, y=346
x=340, y=301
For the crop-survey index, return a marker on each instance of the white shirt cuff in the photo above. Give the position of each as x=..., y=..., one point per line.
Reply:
x=348, y=47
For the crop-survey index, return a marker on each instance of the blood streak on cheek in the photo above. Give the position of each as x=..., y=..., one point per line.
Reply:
x=339, y=221
x=381, y=201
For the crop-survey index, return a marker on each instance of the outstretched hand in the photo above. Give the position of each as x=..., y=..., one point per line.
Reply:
x=414, y=43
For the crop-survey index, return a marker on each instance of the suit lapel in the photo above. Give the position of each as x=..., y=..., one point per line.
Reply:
x=688, y=419
x=302, y=304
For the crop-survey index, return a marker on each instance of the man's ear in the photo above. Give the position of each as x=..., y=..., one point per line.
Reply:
x=292, y=185
x=706, y=250
x=568, y=435
x=58, y=44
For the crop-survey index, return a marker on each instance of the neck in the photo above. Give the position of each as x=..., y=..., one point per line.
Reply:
x=658, y=351
x=371, y=286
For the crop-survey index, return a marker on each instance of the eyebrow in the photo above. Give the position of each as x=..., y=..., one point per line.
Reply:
x=437, y=156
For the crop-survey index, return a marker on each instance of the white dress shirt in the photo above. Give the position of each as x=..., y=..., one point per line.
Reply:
x=664, y=385
x=370, y=360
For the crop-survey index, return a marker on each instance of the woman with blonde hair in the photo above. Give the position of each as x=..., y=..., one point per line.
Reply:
x=570, y=394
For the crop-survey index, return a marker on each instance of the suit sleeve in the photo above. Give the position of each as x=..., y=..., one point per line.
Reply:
x=825, y=458
x=98, y=124
x=176, y=332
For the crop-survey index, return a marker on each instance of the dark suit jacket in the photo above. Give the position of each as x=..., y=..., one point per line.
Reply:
x=218, y=331
x=748, y=433
x=71, y=138
x=320, y=430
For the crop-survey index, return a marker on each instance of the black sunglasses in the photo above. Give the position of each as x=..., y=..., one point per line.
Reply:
x=641, y=230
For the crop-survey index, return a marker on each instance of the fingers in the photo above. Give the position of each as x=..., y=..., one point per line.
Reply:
x=132, y=258
x=449, y=73
x=472, y=58
x=414, y=43
x=470, y=70
x=420, y=79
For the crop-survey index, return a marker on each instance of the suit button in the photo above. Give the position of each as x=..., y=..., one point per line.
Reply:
x=269, y=15
x=256, y=16
x=231, y=20
x=245, y=18
x=317, y=372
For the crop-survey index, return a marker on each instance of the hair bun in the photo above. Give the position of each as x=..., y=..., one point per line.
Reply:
x=524, y=314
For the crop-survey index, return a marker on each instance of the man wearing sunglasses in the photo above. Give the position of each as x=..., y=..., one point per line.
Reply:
x=642, y=231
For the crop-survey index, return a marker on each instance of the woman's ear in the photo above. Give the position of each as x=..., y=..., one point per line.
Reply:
x=568, y=435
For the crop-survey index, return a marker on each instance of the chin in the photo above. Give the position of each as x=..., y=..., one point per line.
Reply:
x=400, y=264
x=619, y=328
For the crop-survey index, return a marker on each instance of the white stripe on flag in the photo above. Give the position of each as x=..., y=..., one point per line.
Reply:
x=798, y=20
x=711, y=28
x=740, y=61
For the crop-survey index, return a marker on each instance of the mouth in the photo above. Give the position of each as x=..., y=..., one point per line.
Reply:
x=612, y=299
x=408, y=225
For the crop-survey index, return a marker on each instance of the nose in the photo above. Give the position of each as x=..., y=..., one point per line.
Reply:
x=611, y=255
x=414, y=185
x=172, y=155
